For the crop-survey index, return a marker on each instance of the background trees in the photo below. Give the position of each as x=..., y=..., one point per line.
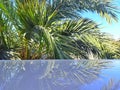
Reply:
x=54, y=29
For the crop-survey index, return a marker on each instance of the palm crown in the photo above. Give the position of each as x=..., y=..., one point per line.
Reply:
x=53, y=28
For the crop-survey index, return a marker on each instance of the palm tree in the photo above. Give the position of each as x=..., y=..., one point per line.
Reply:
x=7, y=33
x=55, y=29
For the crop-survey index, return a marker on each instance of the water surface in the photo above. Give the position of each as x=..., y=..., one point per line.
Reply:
x=60, y=75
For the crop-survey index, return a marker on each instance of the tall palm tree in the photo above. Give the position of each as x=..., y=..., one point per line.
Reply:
x=55, y=29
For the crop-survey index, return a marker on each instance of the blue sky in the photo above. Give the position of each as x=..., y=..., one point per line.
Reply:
x=113, y=28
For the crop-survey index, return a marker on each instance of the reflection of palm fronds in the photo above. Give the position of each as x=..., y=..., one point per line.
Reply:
x=111, y=85
x=51, y=74
x=67, y=72
x=49, y=67
x=9, y=70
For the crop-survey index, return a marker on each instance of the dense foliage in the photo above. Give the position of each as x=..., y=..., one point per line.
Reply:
x=54, y=29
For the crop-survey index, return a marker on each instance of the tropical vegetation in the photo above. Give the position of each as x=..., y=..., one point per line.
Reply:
x=55, y=29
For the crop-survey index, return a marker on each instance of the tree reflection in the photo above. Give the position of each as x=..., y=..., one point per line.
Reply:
x=112, y=85
x=9, y=70
x=49, y=75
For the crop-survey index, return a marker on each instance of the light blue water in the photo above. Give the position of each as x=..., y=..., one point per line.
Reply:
x=104, y=78
x=60, y=75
